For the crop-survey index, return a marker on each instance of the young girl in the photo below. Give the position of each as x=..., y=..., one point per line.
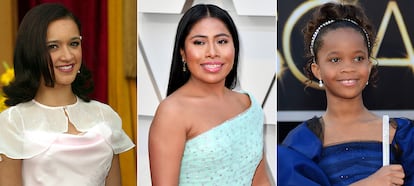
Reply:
x=344, y=145
x=204, y=133
x=52, y=133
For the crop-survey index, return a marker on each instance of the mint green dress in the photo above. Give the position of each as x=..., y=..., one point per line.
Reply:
x=227, y=154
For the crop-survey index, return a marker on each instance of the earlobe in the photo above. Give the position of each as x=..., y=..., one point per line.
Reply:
x=315, y=70
x=182, y=55
x=371, y=66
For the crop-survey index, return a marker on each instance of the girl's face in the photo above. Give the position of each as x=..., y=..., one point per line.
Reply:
x=64, y=44
x=209, y=51
x=343, y=63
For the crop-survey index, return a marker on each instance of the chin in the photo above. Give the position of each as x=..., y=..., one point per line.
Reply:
x=65, y=82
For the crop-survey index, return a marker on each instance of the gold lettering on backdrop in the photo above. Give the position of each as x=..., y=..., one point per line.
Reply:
x=279, y=64
x=298, y=13
x=392, y=9
x=286, y=35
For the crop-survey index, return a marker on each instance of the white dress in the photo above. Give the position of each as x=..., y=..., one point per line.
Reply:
x=37, y=134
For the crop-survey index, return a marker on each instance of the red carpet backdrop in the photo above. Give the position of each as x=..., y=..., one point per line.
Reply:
x=109, y=30
x=93, y=17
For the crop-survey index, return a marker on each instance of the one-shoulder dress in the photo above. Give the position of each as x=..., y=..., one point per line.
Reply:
x=227, y=154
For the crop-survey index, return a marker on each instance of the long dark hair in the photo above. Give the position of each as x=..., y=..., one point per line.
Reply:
x=32, y=59
x=177, y=77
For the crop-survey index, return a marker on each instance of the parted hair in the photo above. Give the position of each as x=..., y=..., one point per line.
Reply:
x=200, y=11
x=32, y=60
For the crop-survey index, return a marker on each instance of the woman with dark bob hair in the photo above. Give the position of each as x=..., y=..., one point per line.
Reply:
x=204, y=132
x=53, y=133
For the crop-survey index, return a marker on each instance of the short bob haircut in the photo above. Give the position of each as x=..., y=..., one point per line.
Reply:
x=177, y=77
x=32, y=60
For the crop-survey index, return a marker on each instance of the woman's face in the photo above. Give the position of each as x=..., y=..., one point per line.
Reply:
x=64, y=43
x=209, y=51
x=343, y=63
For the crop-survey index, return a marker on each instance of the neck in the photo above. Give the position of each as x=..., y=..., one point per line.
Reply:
x=346, y=109
x=206, y=89
x=55, y=96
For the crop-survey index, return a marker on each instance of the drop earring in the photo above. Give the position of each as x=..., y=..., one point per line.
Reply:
x=184, y=68
x=320, y=83
x=366, y=83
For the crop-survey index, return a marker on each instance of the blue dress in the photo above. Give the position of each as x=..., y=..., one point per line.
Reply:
x=302, y=160
x=227, y=154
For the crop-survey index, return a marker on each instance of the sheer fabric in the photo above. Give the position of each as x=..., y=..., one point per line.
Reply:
x=37, y=134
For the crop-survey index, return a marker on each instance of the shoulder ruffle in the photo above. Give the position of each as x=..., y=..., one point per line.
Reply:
x=404, y=137
x=296, y=158
x=294, y=168
x=16, y=142
x=303, y=140
x=100, y=113
x=28, y=130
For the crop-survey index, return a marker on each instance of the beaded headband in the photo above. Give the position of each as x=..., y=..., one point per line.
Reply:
x=315, y=34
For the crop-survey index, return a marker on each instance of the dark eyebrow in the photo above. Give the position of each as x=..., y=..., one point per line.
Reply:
x=77, y=37
x=73, y=38
x=222, y=34
x=53, y=41
x=218, y=35
x=360, y=51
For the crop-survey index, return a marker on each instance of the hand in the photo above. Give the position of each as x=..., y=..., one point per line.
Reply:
x=390, y=175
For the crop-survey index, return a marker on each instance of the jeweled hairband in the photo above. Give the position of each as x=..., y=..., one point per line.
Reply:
x=315, y=34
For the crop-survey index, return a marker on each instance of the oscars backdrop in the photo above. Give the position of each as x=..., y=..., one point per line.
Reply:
x=157, y=24
x=394, y=94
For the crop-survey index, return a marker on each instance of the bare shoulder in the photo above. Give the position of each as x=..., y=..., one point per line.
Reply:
x=170, y=113
x=169, y=107
x=166, y=142
x=243, y=98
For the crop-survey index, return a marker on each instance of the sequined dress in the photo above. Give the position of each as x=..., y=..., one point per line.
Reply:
x=302, y=160
x=227, y=154
x=36, y=134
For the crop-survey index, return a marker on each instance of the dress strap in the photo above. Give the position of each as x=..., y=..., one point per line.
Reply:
x=316, y=126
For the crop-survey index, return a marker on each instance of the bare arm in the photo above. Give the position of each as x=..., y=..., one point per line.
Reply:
x=167, y=138
x=387, y=175
x=261, y=178
x=10, y=172
x=114, y=175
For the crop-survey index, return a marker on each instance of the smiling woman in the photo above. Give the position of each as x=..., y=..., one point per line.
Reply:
x=51, y=123
x=208, y=53
x=64, y=44
x=204, y=132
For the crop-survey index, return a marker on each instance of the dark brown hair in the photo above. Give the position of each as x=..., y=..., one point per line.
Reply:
x=337, y=12
x=32, y=59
